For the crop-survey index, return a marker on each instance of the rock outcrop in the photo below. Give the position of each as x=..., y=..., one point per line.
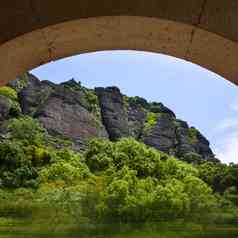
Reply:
x=65, y=114
x=5, y=107
x=64, y=110
x=69, y=110
x=114, y=116
x=33, y=95
x=136, y=118
x=162, y=135
x=153, y=123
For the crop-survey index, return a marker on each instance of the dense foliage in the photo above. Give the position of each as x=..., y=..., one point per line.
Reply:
x=8, y=92
x=123, y=181
x=220, y=177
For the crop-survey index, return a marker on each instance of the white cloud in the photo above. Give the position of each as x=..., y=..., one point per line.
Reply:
x=225, y=127
x=234, y=106
x=226, y=133
x=227, y=124
x=227, y=150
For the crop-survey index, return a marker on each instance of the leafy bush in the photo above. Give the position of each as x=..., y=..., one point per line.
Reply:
x=91, y=96
x=11, y=155
x=67, y=167
x=143, y=184
x=21, y=81
x=27, y=130
x=37, y=156
x=231, y=194
x=21, y=177
x=8, y=92
x=127, y=198
x=99, y=155
x=192, y=157
x=193, y=134
x=123, y=181
x=152, y=118
x=219, y=176
x=103, y=154
x=138, y=101
x=15, y=109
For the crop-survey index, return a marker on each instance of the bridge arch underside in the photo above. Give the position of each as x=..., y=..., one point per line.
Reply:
x=187, y=41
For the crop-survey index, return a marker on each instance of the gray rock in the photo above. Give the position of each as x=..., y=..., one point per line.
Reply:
x=21, y=81
x=63, y=115
x=136, y=120
x=5, y=107
x=114, y=116
x=203, y=147
x=71, y=96
x=158, y=107
x=162, y=136
x=191, y=142
x=185, y=143
x=72, y=84
x=33, y=95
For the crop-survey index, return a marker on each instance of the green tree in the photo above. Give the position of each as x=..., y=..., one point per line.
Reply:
x=27, y=130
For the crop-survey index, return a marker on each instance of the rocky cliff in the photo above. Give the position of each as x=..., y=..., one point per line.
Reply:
x=71, y=111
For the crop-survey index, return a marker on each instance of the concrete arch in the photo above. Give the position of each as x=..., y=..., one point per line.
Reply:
x=34, y=32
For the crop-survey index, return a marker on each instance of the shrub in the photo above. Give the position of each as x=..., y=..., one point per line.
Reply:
x=143, y=184
x=174, y=168
x=138, y=101
x=91, y=96
x=21, y=81
x=69, y=170
x=102, y=155
x=137, y=156
x=219, y=176
x=231, y=194
x=99, y=155
x=151, y=120
x=37, y=156
x=11, y=155
x=8, y=92
x=15, y=109
x=21, y=177
x=127, y=198
x=28, y=130
x=192, y=157
x=193, y=134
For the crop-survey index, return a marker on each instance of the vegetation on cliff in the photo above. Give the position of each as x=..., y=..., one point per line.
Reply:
x=122, y=181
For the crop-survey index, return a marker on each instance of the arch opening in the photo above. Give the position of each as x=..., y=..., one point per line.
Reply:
x=62, y=108
x=182, y=86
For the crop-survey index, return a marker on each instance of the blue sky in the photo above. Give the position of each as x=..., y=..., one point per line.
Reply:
x=202, y=98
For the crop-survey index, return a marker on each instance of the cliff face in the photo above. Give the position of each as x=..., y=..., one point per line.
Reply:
x=71, y=111
x=152, y=123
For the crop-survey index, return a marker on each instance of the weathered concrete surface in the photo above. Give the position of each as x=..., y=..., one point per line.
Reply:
x=33, y=32
x=218, y=16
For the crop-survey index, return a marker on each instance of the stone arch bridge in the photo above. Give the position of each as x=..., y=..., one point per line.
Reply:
x=34, y=32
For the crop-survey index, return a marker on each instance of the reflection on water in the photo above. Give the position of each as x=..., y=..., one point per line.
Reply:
x=26, y=228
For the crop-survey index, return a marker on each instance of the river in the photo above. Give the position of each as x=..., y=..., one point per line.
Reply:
x=26, y=228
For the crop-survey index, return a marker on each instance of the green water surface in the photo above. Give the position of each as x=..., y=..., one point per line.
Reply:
x=26, y=228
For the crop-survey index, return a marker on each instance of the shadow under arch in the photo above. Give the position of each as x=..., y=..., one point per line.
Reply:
x=180, y=40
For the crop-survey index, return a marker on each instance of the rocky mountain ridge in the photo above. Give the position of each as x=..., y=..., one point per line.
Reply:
x=73, y=112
